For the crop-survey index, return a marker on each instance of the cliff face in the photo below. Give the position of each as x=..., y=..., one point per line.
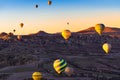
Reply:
x=83, y=51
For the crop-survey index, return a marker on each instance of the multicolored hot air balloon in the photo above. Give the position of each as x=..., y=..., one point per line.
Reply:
x=21, y=25
x=99, y=28
x=49, y=2
x=36, y=76
x=107, y=47
x=69, y=71
x=59, y=65
x=66, y=34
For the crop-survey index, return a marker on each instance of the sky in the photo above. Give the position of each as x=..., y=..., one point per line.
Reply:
x=81, y=14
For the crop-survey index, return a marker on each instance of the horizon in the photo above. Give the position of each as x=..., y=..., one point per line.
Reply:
x=90, y=28
x=81, y=14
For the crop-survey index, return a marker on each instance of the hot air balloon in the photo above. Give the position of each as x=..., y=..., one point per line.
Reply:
x=49, y=2
x=36, y=76
x=36, y=6
x=69, y=71
x=67, y=23
x=99, y=28
x=66, y=34
x=59, y=65
x=106, y=47
x=14, y=30
x=19, y=37
x=21, y=25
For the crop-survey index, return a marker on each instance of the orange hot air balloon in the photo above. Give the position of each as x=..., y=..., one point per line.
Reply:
x=69, y=71
x=19, y=37
x=49, y=2
x=21, y=25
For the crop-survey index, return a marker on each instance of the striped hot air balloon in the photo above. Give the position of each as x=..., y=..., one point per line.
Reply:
x=59, y=65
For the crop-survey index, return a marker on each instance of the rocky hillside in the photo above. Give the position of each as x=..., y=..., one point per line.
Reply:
x=108, y=31
x=83, y=52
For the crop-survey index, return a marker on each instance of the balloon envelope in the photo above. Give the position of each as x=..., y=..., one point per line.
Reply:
x=59, y=65
x=49, y=2
x=36, y=6
x=21, y=25
x=66, y=34
x=107, y=47
x=69, y=71
x=36, y=76
x=14, y=30
x=67, y=23
x=19, y=37
x=99, y=28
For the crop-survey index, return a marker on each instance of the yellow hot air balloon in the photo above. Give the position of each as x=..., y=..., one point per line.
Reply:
x=66, y=34
x=49, y=2
x=36, y=76
x=59, y=65
x=21, y=25
x=99, y=28
x=69, y=71
x=106, y=47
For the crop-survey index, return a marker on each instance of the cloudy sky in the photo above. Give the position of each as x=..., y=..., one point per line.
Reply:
x=80, y=14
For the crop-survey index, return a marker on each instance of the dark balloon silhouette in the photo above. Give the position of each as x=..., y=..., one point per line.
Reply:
x=36, y=6
x=67, y=23
x=14, y=30
x=21, y=25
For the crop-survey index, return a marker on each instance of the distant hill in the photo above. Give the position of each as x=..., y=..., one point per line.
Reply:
x=40, y=33
x=91, y=30
x=86, y=31
x=109, y=29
